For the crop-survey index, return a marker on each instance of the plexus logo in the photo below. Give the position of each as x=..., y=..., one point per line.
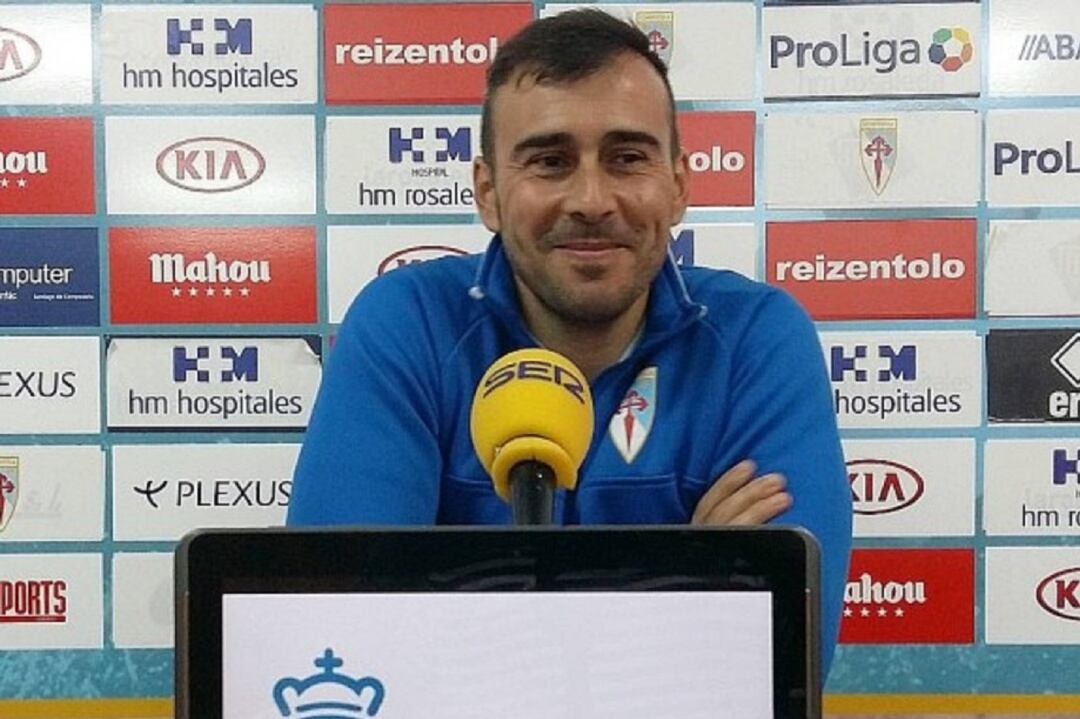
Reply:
x=949, y=47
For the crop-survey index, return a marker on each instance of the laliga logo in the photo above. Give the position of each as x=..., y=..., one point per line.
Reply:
x=19, y=54
x=329, y=693
x=1058, y=595
x=210, y=164
x=413, y=255
x=879, y=486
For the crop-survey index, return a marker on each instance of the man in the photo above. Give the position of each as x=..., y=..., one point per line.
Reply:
x=696, y=374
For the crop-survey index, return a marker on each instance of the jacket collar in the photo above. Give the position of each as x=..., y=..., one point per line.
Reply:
x=671, y=309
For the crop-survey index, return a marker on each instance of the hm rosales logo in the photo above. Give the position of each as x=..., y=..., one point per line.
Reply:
x=417, y=254
x=720, y=149
x=210, y=164
x=33, y=601
x=950, y=48
x=19, y=54
x=212, y=275
x=881, y=486
x=431, y=53
x=1059, y=594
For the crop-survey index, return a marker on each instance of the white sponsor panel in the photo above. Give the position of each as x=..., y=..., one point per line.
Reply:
x=231, y=383
x=210, y=165
x=684, y=35
x=1031, y=268
x=357, y=255
x=53, y=493
x=871, y=50
x=519, y=654
x=905, y=379
x=719, y=246
x=1036, y=47
x=1032, y=157
x=50, y=385
x=46, y=55
x=871, y=160
x=51, y=601
x=410, y=164
x=1032, y=487
x=208, y=54
x=142, y=600
x=1033, y=595
x=161, y=492
x=912, y=487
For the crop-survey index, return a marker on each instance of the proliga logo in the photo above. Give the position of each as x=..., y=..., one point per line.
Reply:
x=242, y=275
x=415, y=54
x=46, y=166
x=19, y=54
x=952, y=48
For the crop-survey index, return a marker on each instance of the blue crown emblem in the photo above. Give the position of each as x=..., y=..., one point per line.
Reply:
x=329, y=695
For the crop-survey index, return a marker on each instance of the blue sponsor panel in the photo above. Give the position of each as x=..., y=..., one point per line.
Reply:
x=49, y=277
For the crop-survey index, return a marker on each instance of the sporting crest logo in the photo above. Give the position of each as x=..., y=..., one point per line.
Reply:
x=659, y=27
x=877, y=150
x=329, y=693
x=632, y=421
x=9, y=489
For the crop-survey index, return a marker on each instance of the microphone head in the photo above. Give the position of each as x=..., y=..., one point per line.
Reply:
x=532, y=404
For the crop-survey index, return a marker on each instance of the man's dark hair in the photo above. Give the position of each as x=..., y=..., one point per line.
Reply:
x=566, y=48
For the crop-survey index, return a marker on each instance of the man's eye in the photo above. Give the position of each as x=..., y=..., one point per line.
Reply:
x=628, y=158
x=548, y=163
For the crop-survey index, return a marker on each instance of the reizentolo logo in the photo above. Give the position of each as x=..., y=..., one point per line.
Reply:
x=380, y=52
x=19, y=54
x=210, y=164
x=897, y=267
x=950, y=48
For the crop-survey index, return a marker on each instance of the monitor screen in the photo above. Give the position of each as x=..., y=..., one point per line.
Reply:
x=498, y=655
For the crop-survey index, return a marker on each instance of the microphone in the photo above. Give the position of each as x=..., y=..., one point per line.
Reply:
x=531, y=425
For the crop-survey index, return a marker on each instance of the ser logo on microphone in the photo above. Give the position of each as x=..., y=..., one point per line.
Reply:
x=539, y=370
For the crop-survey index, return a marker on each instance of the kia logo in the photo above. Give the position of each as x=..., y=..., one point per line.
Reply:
x=210, y=164
x=1059, y=594
x=879, y=486
x=19, y=54
x=420, y=253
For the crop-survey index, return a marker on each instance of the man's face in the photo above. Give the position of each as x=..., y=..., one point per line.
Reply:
x=583, y=188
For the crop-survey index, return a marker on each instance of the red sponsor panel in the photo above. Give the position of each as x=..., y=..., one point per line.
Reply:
x=46, y=166
x=875, y=269
x=720, y=146
x=910, y=596
x=212, y=275
x=415, y=54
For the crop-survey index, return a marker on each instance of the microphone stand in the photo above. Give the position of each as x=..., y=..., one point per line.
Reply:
x=532, y=492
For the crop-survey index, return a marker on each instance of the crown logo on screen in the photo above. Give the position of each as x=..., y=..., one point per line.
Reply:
x=328, y=693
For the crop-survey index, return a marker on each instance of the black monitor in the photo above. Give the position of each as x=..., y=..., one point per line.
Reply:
x=590, y=623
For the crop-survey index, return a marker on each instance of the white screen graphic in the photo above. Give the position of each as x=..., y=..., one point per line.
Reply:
x=692, y=655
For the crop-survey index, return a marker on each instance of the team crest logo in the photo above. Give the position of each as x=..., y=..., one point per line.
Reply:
x=328, y=693
x=877, y=150
x=9, y=489
x=630, y=425
x=659, y=27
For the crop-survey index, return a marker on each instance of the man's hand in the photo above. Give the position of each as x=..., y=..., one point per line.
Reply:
x=738, y=498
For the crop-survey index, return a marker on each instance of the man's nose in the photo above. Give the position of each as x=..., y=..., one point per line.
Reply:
x=591, y=195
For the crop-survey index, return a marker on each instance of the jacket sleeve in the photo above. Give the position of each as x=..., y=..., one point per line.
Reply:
x=782, y=418
x=371, y=452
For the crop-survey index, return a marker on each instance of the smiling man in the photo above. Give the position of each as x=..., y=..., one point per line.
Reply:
x=711, y=401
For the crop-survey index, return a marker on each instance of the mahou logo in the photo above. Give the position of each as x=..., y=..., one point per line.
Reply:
x=879, y=486
x=910, y=596
x=420, y=253
x=1059, y=594
x=33, y=601
x=46, y=165
x=253, y=275
x=430, y=53
x=19, y=54
x=210, y=164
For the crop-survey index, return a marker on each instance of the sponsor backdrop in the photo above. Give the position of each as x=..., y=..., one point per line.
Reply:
x=191, y=194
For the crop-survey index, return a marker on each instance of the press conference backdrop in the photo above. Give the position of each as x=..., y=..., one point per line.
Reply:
x=191, y=194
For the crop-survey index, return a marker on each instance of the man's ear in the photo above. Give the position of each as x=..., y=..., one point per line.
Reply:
x=681, y=168
x=487, y=202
